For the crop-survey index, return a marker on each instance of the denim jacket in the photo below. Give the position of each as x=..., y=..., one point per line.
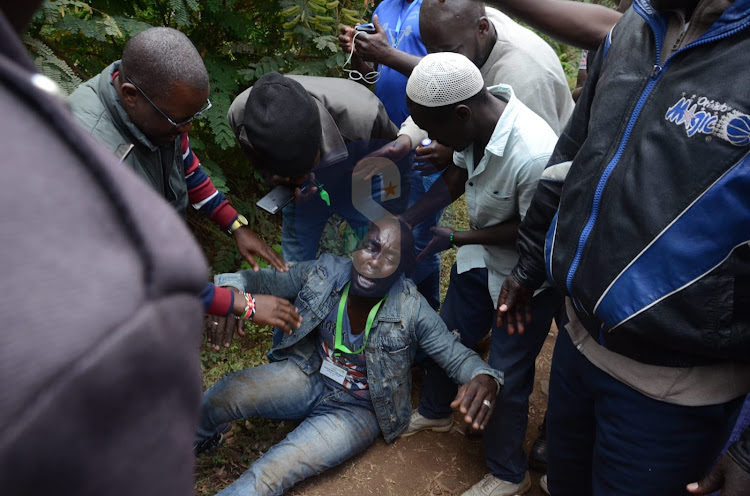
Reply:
x=404, y=322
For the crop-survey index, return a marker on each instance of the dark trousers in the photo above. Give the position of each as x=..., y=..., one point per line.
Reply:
x=607, y=439
x=469, y=309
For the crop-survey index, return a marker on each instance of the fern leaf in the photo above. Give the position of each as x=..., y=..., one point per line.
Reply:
x=52, y=66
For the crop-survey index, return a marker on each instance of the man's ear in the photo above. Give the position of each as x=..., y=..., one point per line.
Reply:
x=463, y=112
x=483, y=27
x=128, y=95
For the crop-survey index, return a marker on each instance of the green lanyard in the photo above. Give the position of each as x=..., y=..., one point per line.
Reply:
x=338, y=345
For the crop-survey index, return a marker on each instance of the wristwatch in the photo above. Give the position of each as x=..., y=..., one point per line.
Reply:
x=237, y=223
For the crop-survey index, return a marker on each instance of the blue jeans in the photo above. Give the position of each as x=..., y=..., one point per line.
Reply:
x=469, y=309
x=334, y=428
x=606, y=438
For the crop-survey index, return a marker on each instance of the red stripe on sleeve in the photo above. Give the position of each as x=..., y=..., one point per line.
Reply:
x=194, y=164
x=222, y=302
x=224, y=215
x=201, y=192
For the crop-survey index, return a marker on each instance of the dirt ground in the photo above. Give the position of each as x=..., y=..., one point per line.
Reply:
x=428, y=463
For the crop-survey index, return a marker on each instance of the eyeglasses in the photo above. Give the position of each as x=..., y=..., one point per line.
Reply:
x=175, y=124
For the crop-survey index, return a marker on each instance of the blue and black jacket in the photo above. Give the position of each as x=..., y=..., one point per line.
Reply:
x=652, y=180
x=642, y=216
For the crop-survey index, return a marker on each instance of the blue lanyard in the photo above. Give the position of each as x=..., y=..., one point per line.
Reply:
x=401, y=17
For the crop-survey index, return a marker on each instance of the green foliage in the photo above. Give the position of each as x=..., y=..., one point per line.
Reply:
x=182, y=11
x=53, y=66
x=310, y=32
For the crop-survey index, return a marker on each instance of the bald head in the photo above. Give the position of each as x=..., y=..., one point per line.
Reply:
x=456, y=14
x=459, y=26
x=159, y=58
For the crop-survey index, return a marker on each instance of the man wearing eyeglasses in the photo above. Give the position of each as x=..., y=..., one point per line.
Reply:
x=149, y=99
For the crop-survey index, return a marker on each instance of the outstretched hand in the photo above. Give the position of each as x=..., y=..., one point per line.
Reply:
x=432, y=158
x=249, y=244
x=346, y=41
x=346, y=37
x=514, y=305
x=277, y=312
x=308, y=192
x=394, y=151
x=726, y=476
x=441, y=241
x=221, y=330
x=473, y=398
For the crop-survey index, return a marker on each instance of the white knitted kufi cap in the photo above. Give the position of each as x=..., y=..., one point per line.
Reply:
x=443, y=79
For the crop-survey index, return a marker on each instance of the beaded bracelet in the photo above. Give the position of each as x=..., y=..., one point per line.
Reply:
x=249, y=306
x=453, y=244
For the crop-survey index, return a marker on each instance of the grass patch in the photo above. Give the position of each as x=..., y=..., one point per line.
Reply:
x=457, y=217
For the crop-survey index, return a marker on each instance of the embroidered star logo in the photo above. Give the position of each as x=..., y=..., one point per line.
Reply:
x=390, y=190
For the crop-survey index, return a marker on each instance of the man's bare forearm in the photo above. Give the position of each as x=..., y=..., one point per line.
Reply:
x=449, y=186
x=505, y=233
x=400, y=61
x=583, y=25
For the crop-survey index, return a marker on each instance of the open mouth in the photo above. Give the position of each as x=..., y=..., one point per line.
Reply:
x=365, y=282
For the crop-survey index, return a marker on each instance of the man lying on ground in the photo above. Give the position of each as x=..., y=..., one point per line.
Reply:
x=346, y=372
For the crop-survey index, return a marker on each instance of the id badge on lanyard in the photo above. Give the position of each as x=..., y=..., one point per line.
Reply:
x=330, y=369
x=333, y=371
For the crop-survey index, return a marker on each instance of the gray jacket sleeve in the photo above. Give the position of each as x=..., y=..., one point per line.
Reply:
x=458, y=361
x=268, y=281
